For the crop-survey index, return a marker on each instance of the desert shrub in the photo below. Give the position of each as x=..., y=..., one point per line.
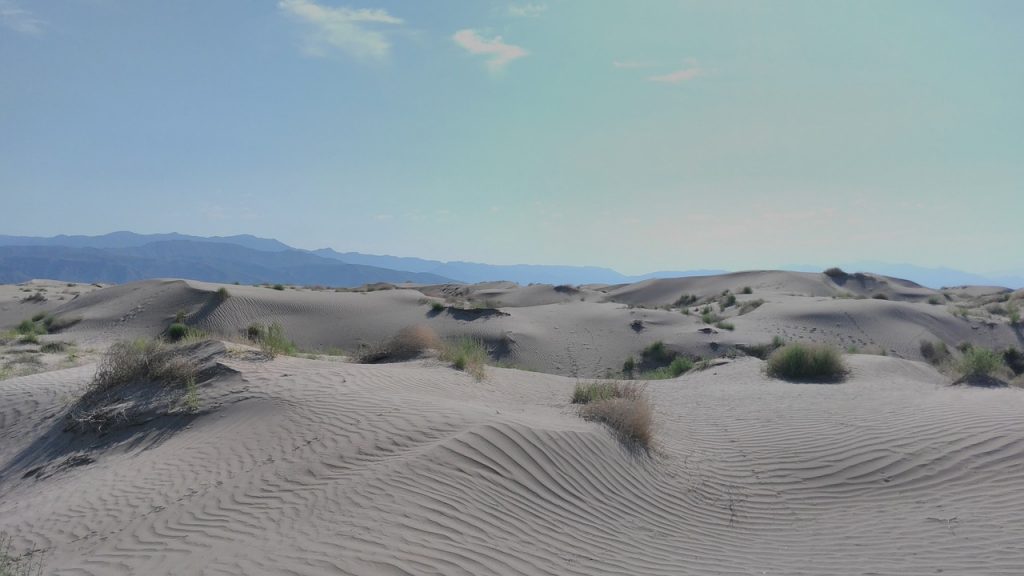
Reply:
x=879, y=296
x=806, y=363
x=978, y=361
x=629, y=413
x=835, y=272
x=725, y=325
x=934, y=300
x=1013, y=313
x=407, y=343
x=141, y=361
x=678, y=366
x=274, y=342
x=39, y=316
x=997, y=309
x=223, y=294
x=709, y=317
x=629, y=366
x=256, y=332
x=437, y=307
x=176, y=332
x=278, y=286
x=29, y=338
x=27, y=327
x=36, y=297
x=1014, y=359
x=728, y=299
x=747, y=290
x=656, y=353
x=467, y=354
x=53, y=347
x=598, y=391
x=935, y=353
x=566, y=289
x=685, y=300
x=637, y=325
x=750, y=306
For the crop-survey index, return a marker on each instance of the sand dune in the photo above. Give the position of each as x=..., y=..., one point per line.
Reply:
x=321, y=466
x=318, y=467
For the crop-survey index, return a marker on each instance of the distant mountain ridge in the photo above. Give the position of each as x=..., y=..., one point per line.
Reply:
x=472, y=272
x=208, y=261
x=125, y=256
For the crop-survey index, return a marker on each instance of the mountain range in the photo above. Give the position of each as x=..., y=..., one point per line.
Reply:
x=126, y=256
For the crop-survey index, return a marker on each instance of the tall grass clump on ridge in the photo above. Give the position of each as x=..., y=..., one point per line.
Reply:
x=799, y=362
x=624, y=408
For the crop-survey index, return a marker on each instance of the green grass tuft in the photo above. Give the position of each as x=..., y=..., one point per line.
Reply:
x=806, y=363
x=466, y=354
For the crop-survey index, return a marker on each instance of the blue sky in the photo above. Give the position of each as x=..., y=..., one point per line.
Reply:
x=637, y=135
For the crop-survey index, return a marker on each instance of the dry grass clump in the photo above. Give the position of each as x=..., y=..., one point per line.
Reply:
x=749, y=306
x=467, y=354
x=624, y=408
x=12, y=565
x=806, y=363
x=141, y=361
x=409, y=343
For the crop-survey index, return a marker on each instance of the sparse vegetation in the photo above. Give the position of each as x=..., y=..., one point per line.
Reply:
x=806, y=363
x=728, y=299
x=37, y=297
x=624, y=408
x=935, y=353
x=747, y=290
x=1013, y=313
x=140, y=361
x=749, y=306
x=762, y=351
x=278, y=286
x=223, y=294
x=934, y=300
x=466, y=354
x=709, y=317
x=1014, y=360
x=12, y=565
x=879, y=296
x=437, y=307
x=685, y=300
x=271, y=339
x=629, y=366
x=55, y=347
x=637, y=325
x=978, y=362
x=725, y=325
x=409, y=343
x=679, y=366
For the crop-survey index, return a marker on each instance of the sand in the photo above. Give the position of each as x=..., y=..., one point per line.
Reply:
x=304, y=465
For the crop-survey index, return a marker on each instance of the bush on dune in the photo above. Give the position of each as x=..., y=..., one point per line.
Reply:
x=409, y=343
x=806, y=363
x=466, y=354
x=980, y=362
x=624, y=408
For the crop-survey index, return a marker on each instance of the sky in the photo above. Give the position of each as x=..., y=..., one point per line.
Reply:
x=653, y=135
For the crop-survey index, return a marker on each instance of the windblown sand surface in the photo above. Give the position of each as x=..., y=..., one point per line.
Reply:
x=321, y=466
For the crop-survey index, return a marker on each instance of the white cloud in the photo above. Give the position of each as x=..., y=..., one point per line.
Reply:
x=679, y=76
x=500, y=53
x=527, y=10
x=343, y=29
x=18, y=19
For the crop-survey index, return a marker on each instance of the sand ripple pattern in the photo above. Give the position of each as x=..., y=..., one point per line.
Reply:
x=330, y=468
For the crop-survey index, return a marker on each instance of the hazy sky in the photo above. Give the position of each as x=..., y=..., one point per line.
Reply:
x=637, y=135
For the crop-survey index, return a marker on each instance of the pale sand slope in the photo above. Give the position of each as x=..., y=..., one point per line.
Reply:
x=310, y=467
x=584, y=332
